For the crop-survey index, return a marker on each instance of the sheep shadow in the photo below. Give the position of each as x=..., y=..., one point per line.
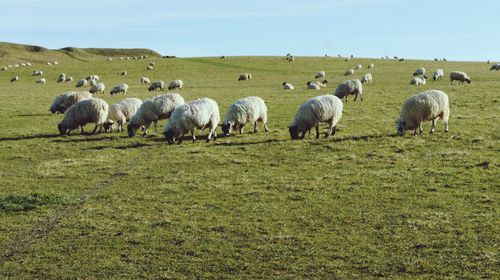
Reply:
x=64, y=138
x=33, y=115
x=267, y=141
x=29, y=137
x=363, y=137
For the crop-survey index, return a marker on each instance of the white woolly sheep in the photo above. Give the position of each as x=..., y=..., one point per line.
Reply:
x=349, y=87
x=349, y=72
x=97, y=88
x=245, y=76
x=14, y=79
x=359, y=66
x=41, y=81
x=320, y=74
x=69, y=79
x=49, y=63
x=121, y=112
x=287, y=86
x=123, y=73
x=119, y=88
x=92, y=110
x=312, y=85
x=290, y=58
x=152, y=64
x=319, y=109
x=145, y=81
x=418, y=81
x=28, y=64
x=61, y=78
x=424, y=106
x=64, y=101
x=55, y=63
x=81, y=83
x=4, y=68
x=198, y=114
x=37, y=73
x=249, y=110
x=370, y=66
x=149, y=67
x=366, y=78
x=419, y=71
x=175, y=84
x=461, y=77
x=438, y=74
x=154, y=109
x=156, y=85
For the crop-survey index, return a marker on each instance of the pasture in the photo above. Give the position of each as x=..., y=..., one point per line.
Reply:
x=363, y=204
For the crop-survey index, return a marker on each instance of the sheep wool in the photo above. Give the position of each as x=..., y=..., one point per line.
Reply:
x=119, y=113
x=366, y=78
x=418, y=81
x=92, y=110
x=320, y=74
x=349, y=87
x=319, y=109
x=288, y=86
x=249, y=110
x=175, y=84
x=438, y=74
x=64, y=101
x=419, y=71
x=119, y=88
x=157, y=85
x=461, y=77
x=97, y=88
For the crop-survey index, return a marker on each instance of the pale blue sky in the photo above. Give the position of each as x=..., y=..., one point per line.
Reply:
x=424, y=29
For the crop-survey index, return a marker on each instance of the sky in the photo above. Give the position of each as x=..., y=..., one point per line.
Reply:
x=424, y=29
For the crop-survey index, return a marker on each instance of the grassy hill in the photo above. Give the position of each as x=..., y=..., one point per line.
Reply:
x=365, y=204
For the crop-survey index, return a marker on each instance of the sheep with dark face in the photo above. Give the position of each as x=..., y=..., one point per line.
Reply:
x=461, y=77
x=119, y=113
x=419, y=71
x=349, y=87
x=320, y=74
x=119, y=88
x=64, y=101
x=175, y=84
x=287, y=86
x=97, y=88
x=92, y=110
x=156, y=85
x=438, y=74
x=249, y=110
x=245, y=76
x=319, y=109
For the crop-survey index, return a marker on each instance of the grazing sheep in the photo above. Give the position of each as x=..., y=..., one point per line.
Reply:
x=290, y=58
x=311, y=85
x=49, y=63
x=319, y=109
x=287, y=86
x=28, y=64
x=418, y=81
x=14, y=79
x=81, y=83
x=119, y=88
x=152, y=64
x=55, y=63
x=419, y=71
x=123, y=73
x=156, y=85
x=37, y=73
x=249, y=110
x=370, y=66
x=222, y=57
x=97, y=88
x=347, y=59
x=110, y=59
x=61, y=78
x=69, y=79
x=145, y=81
x=149, y=67
x=64, y=101
x=436, y=59
x=4, y=68
x=359, y=66
x=92, y=110
x=245, y=76
x=349, y=72
x=366, y=78
x=349, y=87
x=495, y=67
x=92, y=77
x=119, y=113
x=320, y=74
x=461, y=77
x=444, y=59
x=154, y=109
x=201, y=113
x=424, y=106
x=438, y=74
x=401, y=60
x=41, y=81
x=175, y=84
x=322, y=83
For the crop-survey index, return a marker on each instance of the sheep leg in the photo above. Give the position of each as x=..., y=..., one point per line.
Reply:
x=329, y=131
x=145, y=129
x=192, y=135
x=334, y=129
x=433, y=126
x=446, y=126
x=81, y=130
x=255, y=127
x=156, y=126
x=266, y=129
x=317, y=132
x=420, y=129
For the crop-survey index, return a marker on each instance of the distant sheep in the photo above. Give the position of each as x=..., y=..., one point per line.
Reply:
x=149, y=68
x=14, y=79
x=175, y=84
x=418, y=81
x=495, y=67
x=370, y=66
x=349, y=87
x=424, y=106
x=154, y=109
x=81, y=83
x=419, y=71
x=121, y=112
x=438, y=74
x=145, y=81
x=461, y=77
x=69, y=79
x=401, y=59
x=92, y=77
x=287, y=86
x=349, y=72
x=319, y=109
x=92, y=110
x=156, y=85
x=320, y=74
x=359, y=66
x=37, y=73
x=249, y=110
x=120, y=88
x=245, y=76
x=123, y=73
x=97, y=88
x=366, y=78
x=312, y=85
x=198, y=114
x=152, y=64
x=41, y=81
x=64, y=101
x=61, y=78
x=290, y=58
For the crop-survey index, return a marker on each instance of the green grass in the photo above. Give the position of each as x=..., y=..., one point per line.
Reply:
x=365, y=204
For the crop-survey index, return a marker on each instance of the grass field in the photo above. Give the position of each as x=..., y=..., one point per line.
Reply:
x=365, y=204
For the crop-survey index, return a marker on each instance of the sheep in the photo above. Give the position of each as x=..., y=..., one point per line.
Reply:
x=55, y=63
x=28, y=64
x=495, y=67
x=366, y=78
x=349, y=72
x=249, y=110
x=175, y=84
x=37, y=73
x=97, y=88
x=119, y=113
x=320, y=74
x=14, y=79
x=123, y=73
x=347, y=59
x=425, y=106
x=119, y=88
x=322, y=83
x=61, y=78
x=311, y=85
x=69, y=79
x=145, y=81
x=48, y=63
x=92, y=110
x=64, y=101
x=370, y=66
x=201, y=113
x=156, y=85
x=92, y=77
x=154, y=109
x=418, y=81
x=149, y=67
x=222, y=56
x=319, y=109
x=437, y=74
x=287, y=86
x=349, y=87
x=4, y=68
x=290, y=58
x=419, y=71
x=461, y=77
x=41, y=81
x=401, y=60
x=358, y=67
x=152, y=64
x=110, y=59
x=245, y=76
x=81, y=83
